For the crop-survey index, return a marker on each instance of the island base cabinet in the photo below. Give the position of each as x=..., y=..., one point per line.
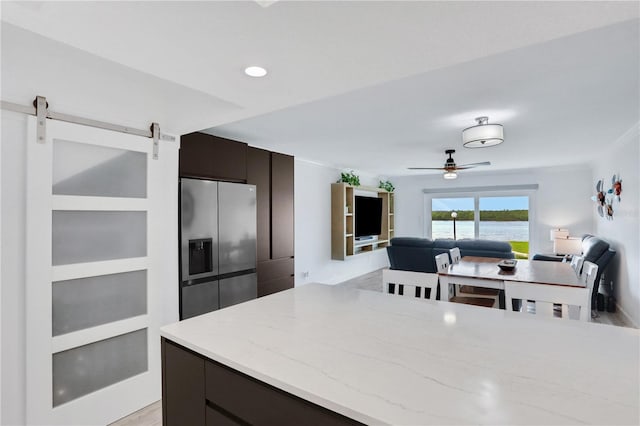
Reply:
x=182, y=386
x=216, y=418
x=205, y=392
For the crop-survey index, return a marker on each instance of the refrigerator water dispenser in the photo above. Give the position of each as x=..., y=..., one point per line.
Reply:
x=200, y=260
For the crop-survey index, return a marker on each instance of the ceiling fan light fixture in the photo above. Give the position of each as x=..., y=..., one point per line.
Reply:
x=482, y=134
x=450, y=175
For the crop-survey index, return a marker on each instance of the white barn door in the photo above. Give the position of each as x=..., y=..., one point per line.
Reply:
x=98, y=235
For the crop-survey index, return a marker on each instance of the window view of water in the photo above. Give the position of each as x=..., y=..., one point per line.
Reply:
x=503, y=218
x=499, y=231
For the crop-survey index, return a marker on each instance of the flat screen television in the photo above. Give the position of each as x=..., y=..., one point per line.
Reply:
x=368, y=216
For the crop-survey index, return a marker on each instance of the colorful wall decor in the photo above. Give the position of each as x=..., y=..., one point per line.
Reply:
x=604, y=198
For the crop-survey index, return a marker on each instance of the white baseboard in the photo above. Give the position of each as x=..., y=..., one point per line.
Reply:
x=627, y=319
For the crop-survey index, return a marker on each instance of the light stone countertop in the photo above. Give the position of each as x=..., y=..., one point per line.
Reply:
x=385, y=359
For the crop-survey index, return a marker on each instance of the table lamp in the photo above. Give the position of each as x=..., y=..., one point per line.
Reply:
x=558, y=233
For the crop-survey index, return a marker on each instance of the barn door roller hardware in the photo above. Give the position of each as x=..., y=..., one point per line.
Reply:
x=41, y=111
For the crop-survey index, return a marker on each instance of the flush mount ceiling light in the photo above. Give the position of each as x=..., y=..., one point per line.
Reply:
x=483, y=134
x=254, y=71
x=450, y=175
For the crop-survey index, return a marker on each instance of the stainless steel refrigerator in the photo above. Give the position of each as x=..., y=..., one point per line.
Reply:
x=217, y=245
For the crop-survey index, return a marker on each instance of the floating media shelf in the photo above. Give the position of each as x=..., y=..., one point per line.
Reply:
x=343, y=242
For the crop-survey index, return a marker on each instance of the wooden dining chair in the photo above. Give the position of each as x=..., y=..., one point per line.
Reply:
x=576, y=264
x=470, y=291
x=410, y=284
x=455, y=255
x=588, y=277
x=546, y=296
x=442, y=265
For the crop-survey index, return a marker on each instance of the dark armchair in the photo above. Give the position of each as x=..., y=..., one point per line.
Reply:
x=595, y=250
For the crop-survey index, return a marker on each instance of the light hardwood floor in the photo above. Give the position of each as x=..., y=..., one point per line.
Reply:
x=152, y=415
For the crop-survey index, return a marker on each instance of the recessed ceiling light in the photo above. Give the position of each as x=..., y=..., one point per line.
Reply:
x=254, y=71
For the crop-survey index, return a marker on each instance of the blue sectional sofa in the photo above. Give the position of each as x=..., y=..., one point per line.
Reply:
x=417, y=254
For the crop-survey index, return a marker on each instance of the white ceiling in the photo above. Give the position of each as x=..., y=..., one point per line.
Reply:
x=382, y=81
x=561, y=102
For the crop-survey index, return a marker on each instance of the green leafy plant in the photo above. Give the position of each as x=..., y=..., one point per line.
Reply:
x=351, y=178
x=386, y=185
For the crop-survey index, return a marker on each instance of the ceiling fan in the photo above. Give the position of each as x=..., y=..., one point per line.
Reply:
x=450, y=168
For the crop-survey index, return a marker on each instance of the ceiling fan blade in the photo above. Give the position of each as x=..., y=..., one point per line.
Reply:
x=425, y=168
x=484, y=163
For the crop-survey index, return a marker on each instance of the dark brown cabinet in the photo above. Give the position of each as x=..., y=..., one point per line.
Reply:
x=183, y=386
x=197, y=391
x=259, y=174
x=213, y=157
x=273, y=175
x=275, y=275
x=281, y=206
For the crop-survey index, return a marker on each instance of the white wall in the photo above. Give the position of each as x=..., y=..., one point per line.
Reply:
x=78, y=83
x=622, y=158
x=313, y=229
x=562, y=200
x=13, y=146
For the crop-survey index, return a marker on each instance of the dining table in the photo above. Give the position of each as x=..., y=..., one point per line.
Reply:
x=484, y=272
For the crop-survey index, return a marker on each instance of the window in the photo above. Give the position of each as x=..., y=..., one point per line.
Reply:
x=442, y=224
x=491, y=217
x=506, y=219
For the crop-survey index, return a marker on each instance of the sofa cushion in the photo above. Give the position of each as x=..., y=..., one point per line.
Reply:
x=445, y=244
x=411, y=258
x=593, y=248
x=412, y=242
x=484, y=245
x=486, y=248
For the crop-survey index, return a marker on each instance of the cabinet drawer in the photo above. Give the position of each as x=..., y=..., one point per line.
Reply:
x=272, y=269
x=273, y=286
x=258, y=403
x=216, y=418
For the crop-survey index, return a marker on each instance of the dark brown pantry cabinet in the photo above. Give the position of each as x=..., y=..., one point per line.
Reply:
x=211, y=157
x=273, y=175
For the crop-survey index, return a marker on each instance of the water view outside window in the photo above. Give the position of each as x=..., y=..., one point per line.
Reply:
x=506, y=219
x=500, y=219
x=442, y=223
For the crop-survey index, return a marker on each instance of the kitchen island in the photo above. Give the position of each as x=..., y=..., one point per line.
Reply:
x=333, y=355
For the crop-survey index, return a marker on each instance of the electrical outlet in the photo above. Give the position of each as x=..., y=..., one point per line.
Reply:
x=305, y=274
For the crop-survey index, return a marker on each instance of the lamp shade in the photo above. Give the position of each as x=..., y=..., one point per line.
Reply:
x=483, y=134
x=450, y=175
x=558, y=233
x=567, y=245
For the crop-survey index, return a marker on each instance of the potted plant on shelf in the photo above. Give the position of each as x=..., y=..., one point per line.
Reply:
x=386, y=185
x=351, y=178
